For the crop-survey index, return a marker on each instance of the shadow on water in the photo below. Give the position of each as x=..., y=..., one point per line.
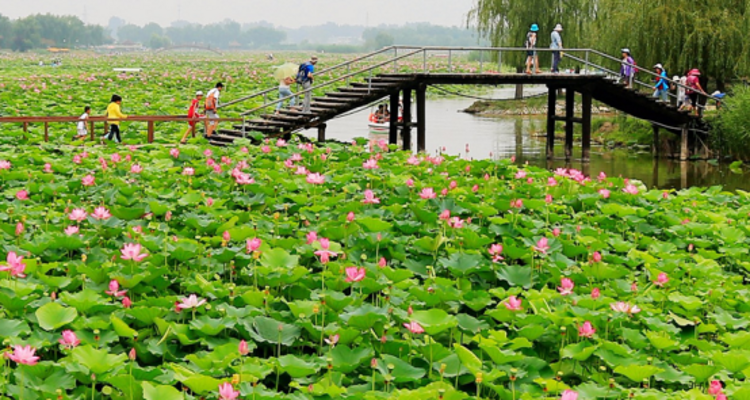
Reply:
x=450, y=131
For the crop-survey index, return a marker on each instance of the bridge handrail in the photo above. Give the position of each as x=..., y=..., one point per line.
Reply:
x=328, y=83
x=324, y=71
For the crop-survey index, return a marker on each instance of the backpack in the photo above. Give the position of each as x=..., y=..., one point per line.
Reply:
x=635, y=68
x=302, y=73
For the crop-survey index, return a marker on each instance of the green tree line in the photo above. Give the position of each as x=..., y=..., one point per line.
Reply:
x=711, y=35
x=228, y=34
x=46, y=30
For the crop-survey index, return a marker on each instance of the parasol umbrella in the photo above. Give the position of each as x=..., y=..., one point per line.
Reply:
x=285, y=71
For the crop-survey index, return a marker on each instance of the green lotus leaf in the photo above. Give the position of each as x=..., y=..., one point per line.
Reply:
x=161, y=392
x=97, y=361
x=52, y=316
x=637, y=373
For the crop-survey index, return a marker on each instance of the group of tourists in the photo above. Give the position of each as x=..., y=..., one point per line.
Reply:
x=686, y=88
x=556, y=45
x=305, y=78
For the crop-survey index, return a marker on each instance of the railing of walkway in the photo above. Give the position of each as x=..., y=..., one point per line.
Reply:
x=426, y=63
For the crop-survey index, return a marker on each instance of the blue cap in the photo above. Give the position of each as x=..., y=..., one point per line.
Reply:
x=534, y=28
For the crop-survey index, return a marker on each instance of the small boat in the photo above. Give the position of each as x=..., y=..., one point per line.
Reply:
x=376, y=127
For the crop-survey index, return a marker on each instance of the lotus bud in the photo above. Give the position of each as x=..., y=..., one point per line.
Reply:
x=363, y=257
x=235, y=379
x=84, y=258
x=391, y=367
x=442, y=368
x=603, y=368
x=374, y=363
x=479, y=377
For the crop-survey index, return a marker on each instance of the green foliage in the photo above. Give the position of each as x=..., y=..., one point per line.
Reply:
x=732, y=125
x=43, y=30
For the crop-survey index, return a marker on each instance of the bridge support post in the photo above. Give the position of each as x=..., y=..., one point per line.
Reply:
x=91, y=130
x=519, y=87
x=322, y=132
x=46, y=131
x=570, y=101
x=151, y=131
x=684, y=149
x=393, y=124
x=551, y=102
x=421, y=118
x=586, y=126
x=655, y=145
x=406, y=127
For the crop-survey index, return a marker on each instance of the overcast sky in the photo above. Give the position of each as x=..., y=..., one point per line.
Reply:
x=288, y=13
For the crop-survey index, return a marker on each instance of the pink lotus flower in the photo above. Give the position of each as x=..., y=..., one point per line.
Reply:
x=382, y=263
x=370, y=164
x=604, y=193
x=516, y=203
x=513, y=304
x=22, y=195
x=721, y=396
x=333, y=340
x=101, y=213
x=586, y=330
x=77, y=159
x=5, y=165
x=634, y=287
x=265, y=149
x=19, y=229
x=23, y=355
x=566, y=286
x=569, y=395
x=542, y=245
x=312, y=237
x=77, y=215
x=556, y=232
x=191, y=301
x=370, y=198
x=226, y=236
x=602, y=176
x=296, y=157
x=445, y=215
x=209, y=201
x=208, y=153
x=548, y=199
x=115, y=158
x=71, y=230
x=427, y=193
x=661, y=280
x=301, y=171
x=561, y=172
x=132, y=251
x=413, y=160
x=453, y=185
x=69, y=339
x=226, y=390
x=495, y=251
x=444, y=192
x=625, y=308
x=354, y=274
x=595, y=293
x=244, y=179
x=14, y=261
x=551, y=181
x=253, y=244
x=174, y=153
x=665, y=195
x=289, y=164
x=136, y=169
x=243, y=348
x=521, y=174
x=410, y=182
x=350, y=217
x=88, y=180
x=316, y=179
x=630, y=189
x=114, y=289
x=414, y=327
x=597, y=256
x=188, y=171
x=281, y=143
x=456, y=223
x=126, y=302
x=715, y=388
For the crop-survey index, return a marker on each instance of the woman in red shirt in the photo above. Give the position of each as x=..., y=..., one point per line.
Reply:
x=192, y=114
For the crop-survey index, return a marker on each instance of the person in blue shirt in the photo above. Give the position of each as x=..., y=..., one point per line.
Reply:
x=556, y=45
x=661, y=89
x=306, y=80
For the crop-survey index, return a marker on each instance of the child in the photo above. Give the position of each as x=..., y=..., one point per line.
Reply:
x=192, y=113
x=82, y=130
x=531, y=55
x=114, y=111
x=627, y=71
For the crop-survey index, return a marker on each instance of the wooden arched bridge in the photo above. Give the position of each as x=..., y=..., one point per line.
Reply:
x=189, y=47
x=402, y=74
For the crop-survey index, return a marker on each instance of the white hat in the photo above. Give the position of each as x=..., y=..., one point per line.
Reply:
x=659, y=66
x=558, y=27
x=199, y=93
x=675, y=78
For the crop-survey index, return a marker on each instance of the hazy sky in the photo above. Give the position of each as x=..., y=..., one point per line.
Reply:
x=288, y=13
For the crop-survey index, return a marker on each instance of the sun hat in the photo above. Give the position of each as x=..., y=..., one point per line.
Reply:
x=558, y=27
x=534, y=28
x=199, y=93
x=659, y=66
x=626, y=50
x=695, y=72
x=675, y=78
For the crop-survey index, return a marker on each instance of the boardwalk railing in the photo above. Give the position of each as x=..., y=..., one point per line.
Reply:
x=151, y=120
x=428, y=60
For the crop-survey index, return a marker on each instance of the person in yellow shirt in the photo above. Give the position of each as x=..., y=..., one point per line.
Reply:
x=113, y=111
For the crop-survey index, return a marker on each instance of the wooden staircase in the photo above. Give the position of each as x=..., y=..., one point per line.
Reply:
x=333, y=104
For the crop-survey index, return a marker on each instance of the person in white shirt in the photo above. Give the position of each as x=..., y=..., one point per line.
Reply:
x=212, y=105
x=82, y=130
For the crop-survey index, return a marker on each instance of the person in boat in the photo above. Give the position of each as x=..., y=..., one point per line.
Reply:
x=386, y=113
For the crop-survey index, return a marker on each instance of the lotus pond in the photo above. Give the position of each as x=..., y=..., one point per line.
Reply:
x=287, y=271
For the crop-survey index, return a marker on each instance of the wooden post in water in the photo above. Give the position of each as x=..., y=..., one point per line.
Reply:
x=586, y=126
x=406, y=127
x=551, y=102
x=393, y=127
x=421, y=118
x=322, y=132
x=151, y=131
x=91, y=130
x=519, y=87
x=655, y=145
x=570, y=102
x=684, y=150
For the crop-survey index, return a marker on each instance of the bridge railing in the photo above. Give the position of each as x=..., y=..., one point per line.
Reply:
x=428, y=60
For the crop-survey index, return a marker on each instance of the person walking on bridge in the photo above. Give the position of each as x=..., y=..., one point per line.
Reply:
x=531, y=54
x=693, y=82
x=305, y=78
x=557, y=46
x=627, y=70
x=192, y=114
x=661, y=89
x=212, y=105
x=114, y=111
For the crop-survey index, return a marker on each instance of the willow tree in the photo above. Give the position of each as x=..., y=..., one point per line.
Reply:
x=506, y=22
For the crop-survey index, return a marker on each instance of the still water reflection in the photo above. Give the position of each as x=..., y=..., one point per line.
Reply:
x=452, y=130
